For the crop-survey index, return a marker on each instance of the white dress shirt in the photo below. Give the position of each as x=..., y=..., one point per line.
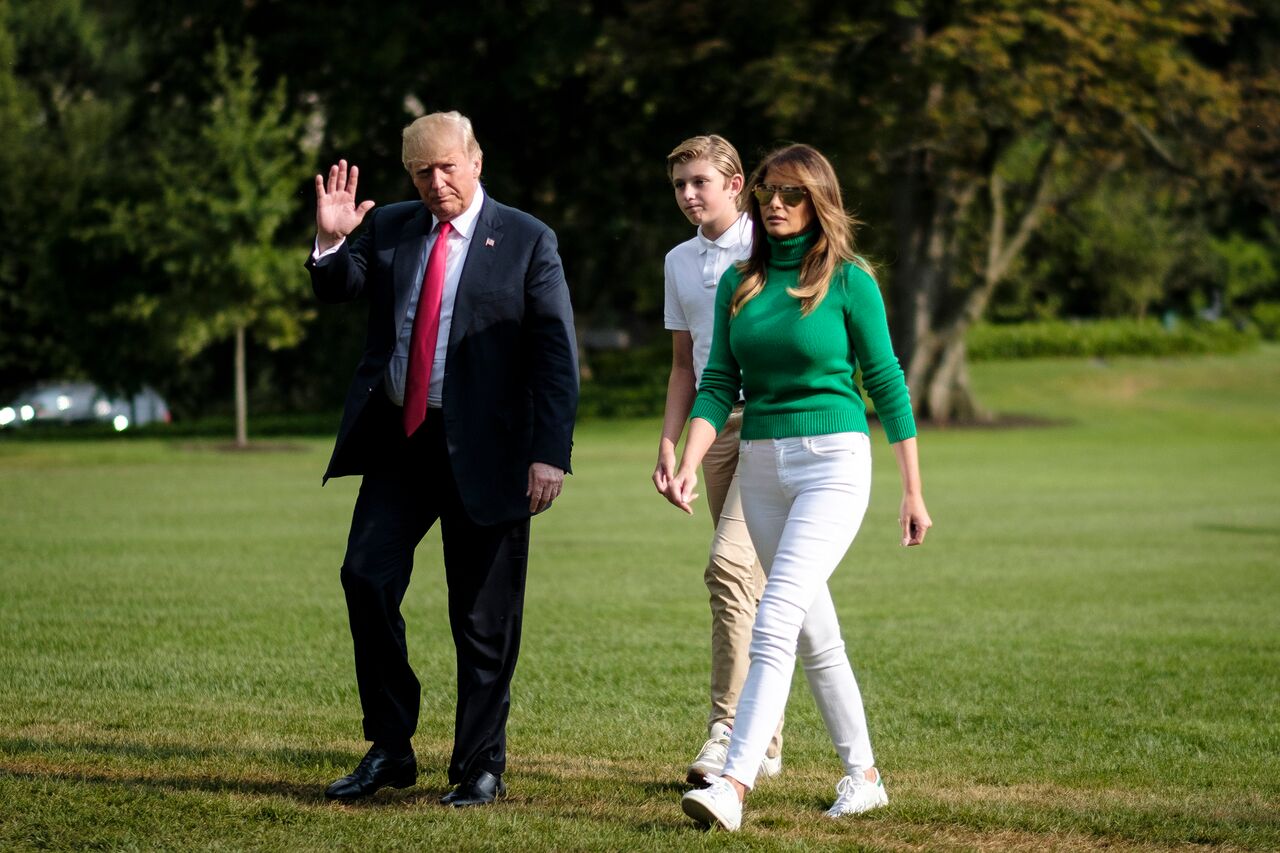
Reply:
x=464, y=226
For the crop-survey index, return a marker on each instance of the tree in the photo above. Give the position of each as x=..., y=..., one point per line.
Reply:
x=1091, y=87
x=1129, y=247
x=63, y=73
x=983, y=118
x=959, y=128
x=222, y=187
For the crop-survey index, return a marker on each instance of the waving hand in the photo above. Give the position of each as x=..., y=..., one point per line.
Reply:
x=337, y=214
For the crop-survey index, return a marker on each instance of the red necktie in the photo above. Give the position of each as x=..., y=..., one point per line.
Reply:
x=426, y=328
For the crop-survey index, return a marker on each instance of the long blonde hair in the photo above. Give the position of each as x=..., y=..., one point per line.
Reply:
x=834, y=245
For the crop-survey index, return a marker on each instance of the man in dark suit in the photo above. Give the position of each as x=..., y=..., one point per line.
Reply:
x=461, y=410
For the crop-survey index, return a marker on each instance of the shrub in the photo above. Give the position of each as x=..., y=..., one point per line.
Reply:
x=1266, y=317
x=627, y=383
x=1100, y=338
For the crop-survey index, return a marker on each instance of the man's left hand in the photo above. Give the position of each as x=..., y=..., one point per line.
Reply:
x=545, y=483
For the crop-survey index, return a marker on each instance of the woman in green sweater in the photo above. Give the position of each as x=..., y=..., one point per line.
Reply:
x=793, y=324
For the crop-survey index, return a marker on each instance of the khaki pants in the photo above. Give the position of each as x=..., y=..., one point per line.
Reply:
x=733, y=576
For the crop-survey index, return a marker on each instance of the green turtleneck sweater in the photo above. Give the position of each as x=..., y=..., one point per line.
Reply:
x=797, y=372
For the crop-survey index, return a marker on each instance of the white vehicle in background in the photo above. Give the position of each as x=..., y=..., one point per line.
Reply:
x=83, y=402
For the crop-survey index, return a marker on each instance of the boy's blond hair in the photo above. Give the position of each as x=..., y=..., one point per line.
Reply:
x=713, y=148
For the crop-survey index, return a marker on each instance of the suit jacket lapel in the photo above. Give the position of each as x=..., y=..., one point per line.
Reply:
x=413, y=238
x=486, y=240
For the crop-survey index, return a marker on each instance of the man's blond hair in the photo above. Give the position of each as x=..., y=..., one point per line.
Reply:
x=713, y=148
x=427, y=132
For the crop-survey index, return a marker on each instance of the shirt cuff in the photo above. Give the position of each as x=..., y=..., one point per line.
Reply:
x=899, y=428
x=316, y=254
x=710, y=411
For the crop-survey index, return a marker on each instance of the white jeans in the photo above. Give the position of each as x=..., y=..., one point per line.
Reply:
x=804, y=499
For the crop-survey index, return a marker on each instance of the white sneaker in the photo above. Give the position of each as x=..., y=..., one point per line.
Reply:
x=715, y=805
x=712, y=756
x=855, y=795
x=771, y=767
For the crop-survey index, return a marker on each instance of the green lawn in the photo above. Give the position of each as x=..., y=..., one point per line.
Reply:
x=1085, y=655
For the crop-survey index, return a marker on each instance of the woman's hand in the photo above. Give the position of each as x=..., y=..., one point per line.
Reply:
x=912, y=516
x=914, y=519
x=680, y=490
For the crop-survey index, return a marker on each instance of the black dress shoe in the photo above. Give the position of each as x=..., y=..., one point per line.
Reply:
x=377, y=769
x=478, y=789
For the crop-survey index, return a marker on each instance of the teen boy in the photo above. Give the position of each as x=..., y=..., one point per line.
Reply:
x=706, y=174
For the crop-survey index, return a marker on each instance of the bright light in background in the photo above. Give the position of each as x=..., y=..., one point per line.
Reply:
x=63, y=402
x=102, y=408
x=27, y=413
x=7, y=415
x=121, y=423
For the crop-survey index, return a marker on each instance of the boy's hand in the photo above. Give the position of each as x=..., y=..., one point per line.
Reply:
x=665, y=470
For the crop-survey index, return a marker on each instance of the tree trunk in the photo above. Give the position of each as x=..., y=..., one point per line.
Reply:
x=936, y=366
x=242, y=401
x=942, y=392
x=929, y=341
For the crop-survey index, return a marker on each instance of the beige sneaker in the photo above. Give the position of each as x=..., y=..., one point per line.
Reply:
x=855, y=795
x=770, y=767
x=712, y=756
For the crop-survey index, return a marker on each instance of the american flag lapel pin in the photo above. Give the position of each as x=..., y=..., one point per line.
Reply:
x=488, y=241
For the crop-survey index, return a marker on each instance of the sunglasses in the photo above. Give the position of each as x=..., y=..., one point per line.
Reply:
x=791, y=196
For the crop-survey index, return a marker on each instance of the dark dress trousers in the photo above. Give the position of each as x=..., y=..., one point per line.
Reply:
x=510, y=396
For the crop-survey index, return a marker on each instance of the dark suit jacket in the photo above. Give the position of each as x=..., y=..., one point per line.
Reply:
x=511, y=369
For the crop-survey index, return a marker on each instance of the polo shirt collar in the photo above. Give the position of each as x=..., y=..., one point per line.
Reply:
x=735, y=235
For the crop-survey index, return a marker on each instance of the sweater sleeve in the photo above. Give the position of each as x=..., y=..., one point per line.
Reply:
x=722, y=377
x=882, y=376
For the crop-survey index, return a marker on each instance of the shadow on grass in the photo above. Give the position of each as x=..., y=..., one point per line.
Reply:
x=20, y=758
x=996, y=421
x=298, y=757
x=677, y=787
x=255, y=446
x=1240, y=529
x=307, y=794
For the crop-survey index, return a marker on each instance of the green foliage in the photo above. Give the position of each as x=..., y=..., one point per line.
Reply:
x=1266, y=317
x=627, y=383
x=1247, y=270
x=1127, y=248
x=119, y=111
x=225, y=180
x=1104, y=339
x=61, y=81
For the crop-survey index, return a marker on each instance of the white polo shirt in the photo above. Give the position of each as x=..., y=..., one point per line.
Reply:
x=692, y=271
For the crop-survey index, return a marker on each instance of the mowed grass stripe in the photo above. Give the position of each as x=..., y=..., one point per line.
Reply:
x=1085, y=655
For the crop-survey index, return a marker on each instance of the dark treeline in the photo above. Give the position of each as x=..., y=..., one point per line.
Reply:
x=1012, y=160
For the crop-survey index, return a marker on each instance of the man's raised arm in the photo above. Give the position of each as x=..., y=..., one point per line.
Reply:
x=337, y=214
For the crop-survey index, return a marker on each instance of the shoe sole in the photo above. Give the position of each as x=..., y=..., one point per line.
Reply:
x=401, y=783
x=501, y=795
x=879, y=805
x=703, y=815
